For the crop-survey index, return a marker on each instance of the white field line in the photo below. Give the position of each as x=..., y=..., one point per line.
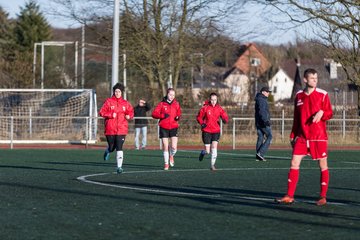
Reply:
x=83, y=179
x=240, y=154
x=352, y=162
x=262, y=199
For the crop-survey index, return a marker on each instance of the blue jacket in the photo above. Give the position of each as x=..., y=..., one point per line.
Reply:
x=262, y=114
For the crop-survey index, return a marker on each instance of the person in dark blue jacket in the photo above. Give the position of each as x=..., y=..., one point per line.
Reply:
x=262, y=122
x=141, y=124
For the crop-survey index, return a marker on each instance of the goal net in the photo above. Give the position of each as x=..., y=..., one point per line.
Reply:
x=48, y=116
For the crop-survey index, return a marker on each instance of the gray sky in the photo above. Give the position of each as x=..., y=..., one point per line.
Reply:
x=262, y=30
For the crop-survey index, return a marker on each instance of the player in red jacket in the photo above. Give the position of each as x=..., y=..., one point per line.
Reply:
x=308, y=136
x=209, y=119
x=168, y=111
x=117, y=112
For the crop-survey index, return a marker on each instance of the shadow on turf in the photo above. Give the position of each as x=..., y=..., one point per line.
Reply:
x=34, y=168
x=228, y=194
x=221, y=204
x=346, y=189
x=233, y=193
x=102, y=164
x=234, y=199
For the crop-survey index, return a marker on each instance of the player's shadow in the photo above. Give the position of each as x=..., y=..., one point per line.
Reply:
x=346, y=189
x=239, y=193
x=34, y=168
x=102, y=164
x=218, y=198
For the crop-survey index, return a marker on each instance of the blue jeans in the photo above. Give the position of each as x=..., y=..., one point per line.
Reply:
x=261, y=145
x=143, y=131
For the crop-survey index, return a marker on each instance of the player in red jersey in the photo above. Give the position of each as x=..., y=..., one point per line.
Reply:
x=168, y=111
x=308, y=136
x=117, y=112
x=208, y=118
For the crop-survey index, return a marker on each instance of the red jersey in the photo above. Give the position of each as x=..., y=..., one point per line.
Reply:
x=306, y=106
x=119, y=124
x=210, y=115
x=173, y=109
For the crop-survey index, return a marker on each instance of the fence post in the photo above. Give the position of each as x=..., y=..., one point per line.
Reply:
x=30, y=122
x=87, y=132
x=233, y=133
x=343, y=124
x=282, y=124
x=221, y=128
x=11, y=132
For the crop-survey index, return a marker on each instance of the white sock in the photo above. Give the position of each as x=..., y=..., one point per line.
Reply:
x=119, y=158
x=166, y=157
x=172, y=151
x=207, y=147
x=213, y=156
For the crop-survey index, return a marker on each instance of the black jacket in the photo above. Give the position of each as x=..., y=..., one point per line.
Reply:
x=262, y=114
x=140, y=111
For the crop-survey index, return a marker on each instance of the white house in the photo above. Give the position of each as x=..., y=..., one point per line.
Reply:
x=238, y=87
x=281, y=85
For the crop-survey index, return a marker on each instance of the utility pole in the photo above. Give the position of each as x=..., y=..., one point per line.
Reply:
x=115, y=48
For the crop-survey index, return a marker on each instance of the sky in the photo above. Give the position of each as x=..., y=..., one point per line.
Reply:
x=261, y=30
x=13, y=8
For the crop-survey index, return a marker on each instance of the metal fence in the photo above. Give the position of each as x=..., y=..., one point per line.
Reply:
x=239, y=131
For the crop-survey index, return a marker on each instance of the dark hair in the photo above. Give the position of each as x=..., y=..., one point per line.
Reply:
x=170, y=89
x=119, y=86
x=213, y=94
x=309, y=71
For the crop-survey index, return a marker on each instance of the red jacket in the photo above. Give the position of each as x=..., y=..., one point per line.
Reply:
x=210, y=115
x=306, y=106
x=173, y=109
x=118, y=125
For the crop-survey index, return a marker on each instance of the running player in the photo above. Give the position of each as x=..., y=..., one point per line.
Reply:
x=117, y=112
x=209, y=119
x=169, y=113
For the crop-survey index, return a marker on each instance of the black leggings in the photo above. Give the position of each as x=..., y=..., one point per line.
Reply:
x=115, y=142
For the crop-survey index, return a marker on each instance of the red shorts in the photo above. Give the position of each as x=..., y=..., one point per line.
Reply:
x=315, y=148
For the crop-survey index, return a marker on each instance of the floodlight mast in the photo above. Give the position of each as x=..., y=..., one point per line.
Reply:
x=115, y=48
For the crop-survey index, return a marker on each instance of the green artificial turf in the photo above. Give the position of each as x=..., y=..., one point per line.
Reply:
x=41, y=196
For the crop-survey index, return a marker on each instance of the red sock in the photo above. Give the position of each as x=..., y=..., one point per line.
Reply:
x=293, y=178
x=324, y=182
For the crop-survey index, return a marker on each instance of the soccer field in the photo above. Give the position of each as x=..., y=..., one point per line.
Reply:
x=74, y=194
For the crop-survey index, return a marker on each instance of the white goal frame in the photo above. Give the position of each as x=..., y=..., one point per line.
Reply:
x=88, y=129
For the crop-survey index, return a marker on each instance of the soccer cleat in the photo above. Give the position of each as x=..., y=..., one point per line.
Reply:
x=321, y=202
x=166, y=166
x=172, y=163
x=213, y=168
x=285, y=200
x=202, y=155
x=260, y=158
x=106, y=156
x=119, y=170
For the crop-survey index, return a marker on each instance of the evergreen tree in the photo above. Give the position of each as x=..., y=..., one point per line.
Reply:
x=31, y=27
x=6, y=36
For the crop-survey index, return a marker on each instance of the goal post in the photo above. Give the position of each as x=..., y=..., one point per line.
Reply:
x=48, y=116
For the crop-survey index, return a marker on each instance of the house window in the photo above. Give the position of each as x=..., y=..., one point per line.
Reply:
x=275, y=89
x=255, y=62
x=285, y=79
x=236, y=89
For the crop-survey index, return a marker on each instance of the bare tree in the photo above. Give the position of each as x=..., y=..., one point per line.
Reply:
x=158, y=35
x=336, y=26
